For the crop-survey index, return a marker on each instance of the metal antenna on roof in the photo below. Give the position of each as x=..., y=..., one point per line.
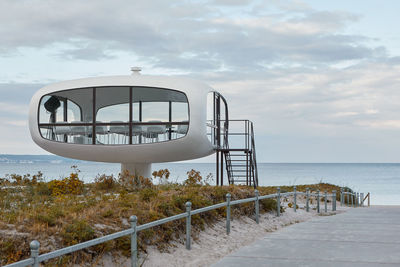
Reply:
x=136, y=70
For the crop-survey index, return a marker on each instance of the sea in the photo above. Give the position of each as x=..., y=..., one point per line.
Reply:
x=382, y=180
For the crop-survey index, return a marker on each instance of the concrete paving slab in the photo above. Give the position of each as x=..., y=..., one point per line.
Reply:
x=361, y=236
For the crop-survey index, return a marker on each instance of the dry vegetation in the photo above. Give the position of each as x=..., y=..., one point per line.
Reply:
x=65, y=212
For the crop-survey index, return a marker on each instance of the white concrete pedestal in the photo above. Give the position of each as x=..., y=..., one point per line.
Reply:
x=137, y=169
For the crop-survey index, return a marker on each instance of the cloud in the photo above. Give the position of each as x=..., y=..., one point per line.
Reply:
x=162, y=32
x=354, y=99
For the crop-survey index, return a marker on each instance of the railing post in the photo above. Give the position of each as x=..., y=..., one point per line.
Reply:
x=295, y=198
x=228, y=213
x=369, y=197
x=257, y=206
x=355, y=199
x=318, y=201
x=341, y=196
x=35, y=245
x=326, y=201
x=356, y=196
x=133, y=221
x=352, y=200
x=188, y=224
x=358, y=199
x=278, y=202
x=333, y=200
x=307, y=199
x=362, y=199
x=349, y=198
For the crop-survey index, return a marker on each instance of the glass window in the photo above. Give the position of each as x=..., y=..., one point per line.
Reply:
x=112, y=104
x=51, y=109
x=157, y=115
x=155, y=111
x=180, y=111
x=73, y=112
x=74, y=107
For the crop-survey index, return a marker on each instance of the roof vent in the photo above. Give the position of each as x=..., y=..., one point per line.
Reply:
x=136, y=70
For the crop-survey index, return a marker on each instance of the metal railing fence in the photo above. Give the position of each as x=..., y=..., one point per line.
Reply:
x=36, y=258
x=353, y=199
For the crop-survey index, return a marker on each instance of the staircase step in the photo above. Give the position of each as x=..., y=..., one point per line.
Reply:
x=234, y=149
x=241, y=165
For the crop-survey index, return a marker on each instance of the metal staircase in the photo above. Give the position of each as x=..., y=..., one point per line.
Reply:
x=235, y=145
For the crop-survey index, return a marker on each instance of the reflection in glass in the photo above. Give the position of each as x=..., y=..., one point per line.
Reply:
x=155, y=111
x=112, y=104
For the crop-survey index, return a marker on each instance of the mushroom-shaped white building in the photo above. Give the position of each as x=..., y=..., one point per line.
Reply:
x=134, y=120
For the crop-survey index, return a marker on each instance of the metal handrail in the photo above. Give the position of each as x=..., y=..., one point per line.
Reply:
x=112, y=123
x=253, y=148
x=34, y=245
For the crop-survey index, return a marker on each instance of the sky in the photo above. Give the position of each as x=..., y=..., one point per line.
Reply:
x=319, y=79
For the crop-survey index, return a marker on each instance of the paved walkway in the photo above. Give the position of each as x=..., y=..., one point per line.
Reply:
x=358, y=237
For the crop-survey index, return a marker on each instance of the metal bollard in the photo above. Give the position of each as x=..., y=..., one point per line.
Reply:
x=334, y=200
x=278, y=202
x=228, y=213
x=318, y=201
x=358, y=199
x=133, y=221
x=362, y=199
x=257, y=207
x=188, y=224
x=326, y=201
x=35, y=245
x=307, y=199
x=295, y=198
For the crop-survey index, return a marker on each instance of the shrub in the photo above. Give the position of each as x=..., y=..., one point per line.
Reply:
x=43, y=189
x=69, y=185
x=26, y=179
x=107, y=213
x=194, y=178
x=12, y=251
x=163, y=175
x=76, y=232
x=105, y=182
x=147, y=194
x=49, y=216
x=46, y=219
x=134, y=182
x=268, y=204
